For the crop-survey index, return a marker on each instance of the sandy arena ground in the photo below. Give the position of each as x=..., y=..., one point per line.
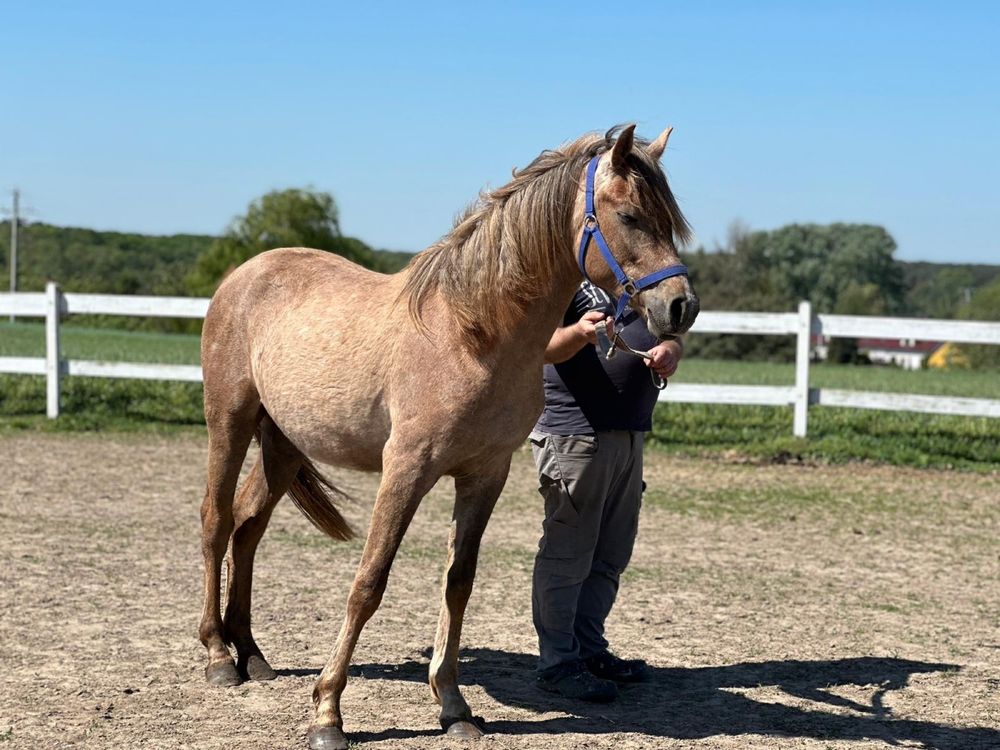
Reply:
x=780, y=606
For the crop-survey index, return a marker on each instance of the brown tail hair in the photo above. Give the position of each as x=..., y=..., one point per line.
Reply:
x=315, y=496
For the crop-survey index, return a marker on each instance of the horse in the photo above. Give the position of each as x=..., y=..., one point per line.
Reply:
x=430, y=372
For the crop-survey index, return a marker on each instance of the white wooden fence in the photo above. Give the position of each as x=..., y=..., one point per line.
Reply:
x=53, y=304
x=803, y=325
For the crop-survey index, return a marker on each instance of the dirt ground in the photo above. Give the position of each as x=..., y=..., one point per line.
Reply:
x=780, y=607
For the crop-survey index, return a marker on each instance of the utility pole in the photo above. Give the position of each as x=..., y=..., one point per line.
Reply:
x=14, y=219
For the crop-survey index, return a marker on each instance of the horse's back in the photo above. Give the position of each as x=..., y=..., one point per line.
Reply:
x=295, y=271
x=304, y=326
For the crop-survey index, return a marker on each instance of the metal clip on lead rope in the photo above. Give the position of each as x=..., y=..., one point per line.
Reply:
x=615, y=343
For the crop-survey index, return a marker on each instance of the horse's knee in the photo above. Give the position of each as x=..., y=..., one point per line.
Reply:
x=216, y=516
x=209, y=511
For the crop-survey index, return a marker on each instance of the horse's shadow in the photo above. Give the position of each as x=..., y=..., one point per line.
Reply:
x=693, y=703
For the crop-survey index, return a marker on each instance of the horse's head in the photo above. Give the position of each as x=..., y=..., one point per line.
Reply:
x=641, y=224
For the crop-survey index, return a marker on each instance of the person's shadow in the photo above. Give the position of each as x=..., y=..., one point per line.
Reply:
x=692, y=703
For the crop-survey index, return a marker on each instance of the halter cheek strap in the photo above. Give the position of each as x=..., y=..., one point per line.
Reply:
x=592, y=230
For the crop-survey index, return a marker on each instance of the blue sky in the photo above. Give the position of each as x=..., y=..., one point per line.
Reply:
x=172, y=117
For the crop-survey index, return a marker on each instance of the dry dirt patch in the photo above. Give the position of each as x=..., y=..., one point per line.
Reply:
x=785, y=606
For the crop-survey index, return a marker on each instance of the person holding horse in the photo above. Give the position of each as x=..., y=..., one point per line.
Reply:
x=588, y=446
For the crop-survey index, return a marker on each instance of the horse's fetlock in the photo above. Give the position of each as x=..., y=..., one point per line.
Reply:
x=207, y=634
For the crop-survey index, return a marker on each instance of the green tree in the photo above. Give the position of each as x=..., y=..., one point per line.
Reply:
x=819, y=263
x=281, y=218
x=941, y=295
x=735, y=278
x=86, y=260
x=984, y=305
x=856, y=299
x=939, y=290
x=773, y=271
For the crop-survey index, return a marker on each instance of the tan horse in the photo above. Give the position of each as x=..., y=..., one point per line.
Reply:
x=433, y=371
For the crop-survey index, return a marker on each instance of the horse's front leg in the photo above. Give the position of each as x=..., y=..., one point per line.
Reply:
x=475, y=498
x=407, y=477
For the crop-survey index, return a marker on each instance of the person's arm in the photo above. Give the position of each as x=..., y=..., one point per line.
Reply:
x=666, y=356
x=568, y=340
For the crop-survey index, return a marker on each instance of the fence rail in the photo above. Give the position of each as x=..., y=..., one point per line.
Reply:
x=803, y=324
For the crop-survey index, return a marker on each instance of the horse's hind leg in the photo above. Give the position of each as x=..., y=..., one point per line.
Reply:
x=475, y=498
x=271, y=476
x=230, y=429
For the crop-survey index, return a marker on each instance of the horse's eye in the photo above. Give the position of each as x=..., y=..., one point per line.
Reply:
x=626, y=219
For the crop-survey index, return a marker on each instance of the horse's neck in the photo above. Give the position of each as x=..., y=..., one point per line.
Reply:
x=531, y=335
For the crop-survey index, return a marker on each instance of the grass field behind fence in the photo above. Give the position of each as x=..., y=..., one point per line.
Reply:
x=754, y=431
x=28, y=340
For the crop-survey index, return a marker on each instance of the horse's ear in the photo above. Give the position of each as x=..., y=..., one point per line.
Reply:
x=622, y=148
x=657, y=147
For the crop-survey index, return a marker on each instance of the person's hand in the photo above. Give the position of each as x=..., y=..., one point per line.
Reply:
x=665, y=357
x=586, y=326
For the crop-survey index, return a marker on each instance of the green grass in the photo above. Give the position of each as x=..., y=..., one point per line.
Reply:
x=28, y=340
x=971, y=383
x=315, y=539
x=778, y=503
x=100, y=403
x=835, y=435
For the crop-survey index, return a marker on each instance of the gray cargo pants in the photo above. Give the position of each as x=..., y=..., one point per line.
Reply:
x=592, y=485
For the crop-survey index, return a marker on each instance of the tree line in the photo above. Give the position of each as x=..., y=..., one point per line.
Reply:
x=88, y=260
x=846, y=269
x=840, y=268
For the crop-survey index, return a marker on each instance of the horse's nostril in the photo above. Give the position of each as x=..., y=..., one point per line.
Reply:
x=677, y=305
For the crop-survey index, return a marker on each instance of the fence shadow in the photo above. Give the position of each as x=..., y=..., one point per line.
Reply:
x=693, y=703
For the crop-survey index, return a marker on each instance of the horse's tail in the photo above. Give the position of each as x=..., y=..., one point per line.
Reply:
x=315, y=496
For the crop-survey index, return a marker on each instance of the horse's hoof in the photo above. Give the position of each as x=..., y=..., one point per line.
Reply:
x=257, y=668
x=327, y=738
x=464, y=730
x=223, y=674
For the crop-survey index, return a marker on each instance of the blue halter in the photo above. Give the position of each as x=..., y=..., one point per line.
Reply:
x=592, y=229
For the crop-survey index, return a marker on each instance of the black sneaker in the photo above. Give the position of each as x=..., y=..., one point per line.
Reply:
x=574, y=680
x=607, y=666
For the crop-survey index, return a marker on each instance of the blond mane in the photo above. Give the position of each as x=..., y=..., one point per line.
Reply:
x=504, y=249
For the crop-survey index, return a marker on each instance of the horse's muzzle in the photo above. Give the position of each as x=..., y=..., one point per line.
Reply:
x=673, y=313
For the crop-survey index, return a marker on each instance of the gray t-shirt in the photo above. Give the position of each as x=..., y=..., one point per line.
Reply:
x=589, y=393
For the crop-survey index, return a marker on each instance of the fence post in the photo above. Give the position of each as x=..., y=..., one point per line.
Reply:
x=803, y=336
x=53, y=306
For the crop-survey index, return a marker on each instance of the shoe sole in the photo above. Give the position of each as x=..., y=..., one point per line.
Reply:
x=553, y=689
x=626, y=680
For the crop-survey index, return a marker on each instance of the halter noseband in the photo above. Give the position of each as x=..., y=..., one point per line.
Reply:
x=592, y=229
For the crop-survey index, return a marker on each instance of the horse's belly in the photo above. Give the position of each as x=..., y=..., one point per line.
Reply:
x=336, y=441
x=335, y=417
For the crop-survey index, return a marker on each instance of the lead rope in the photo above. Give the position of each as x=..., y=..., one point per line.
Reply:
x=616, y=343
